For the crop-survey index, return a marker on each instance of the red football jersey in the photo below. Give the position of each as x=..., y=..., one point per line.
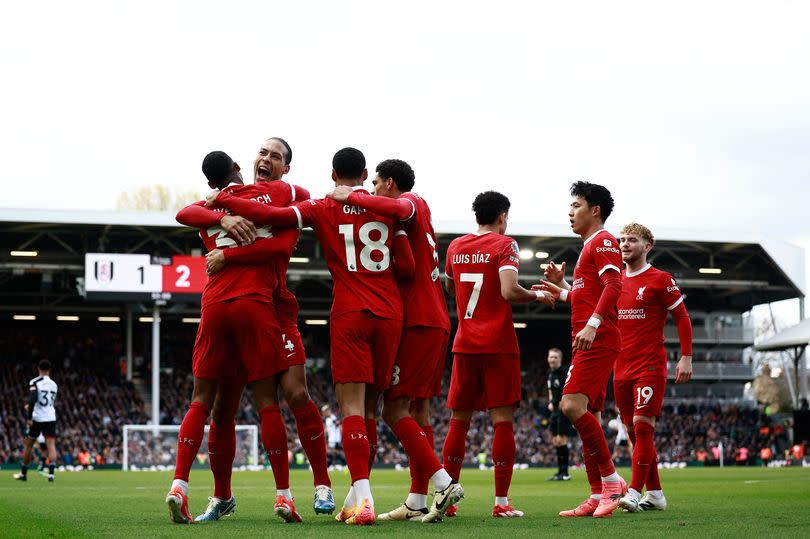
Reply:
x=600, y=253
x=423, y=297
x=284, y=301
x=647, y=296
x=236, y=280
x=356, y=244
x=474, y=262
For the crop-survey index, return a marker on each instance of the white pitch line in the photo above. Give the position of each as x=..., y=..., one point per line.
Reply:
x=753, y=481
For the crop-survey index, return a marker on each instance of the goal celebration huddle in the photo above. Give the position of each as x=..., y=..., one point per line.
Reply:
x=390, y=331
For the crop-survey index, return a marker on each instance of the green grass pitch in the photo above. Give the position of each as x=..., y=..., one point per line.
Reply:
x=731, y=502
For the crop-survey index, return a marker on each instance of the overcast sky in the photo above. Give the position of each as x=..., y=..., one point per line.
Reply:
x=695, y=114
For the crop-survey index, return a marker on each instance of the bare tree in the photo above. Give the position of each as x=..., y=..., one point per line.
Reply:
x=156, y=197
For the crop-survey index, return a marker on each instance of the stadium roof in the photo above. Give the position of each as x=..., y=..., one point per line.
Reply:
x=793, y=337
x=754, y=268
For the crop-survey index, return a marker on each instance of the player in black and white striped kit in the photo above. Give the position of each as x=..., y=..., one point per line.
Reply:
x=42, y=419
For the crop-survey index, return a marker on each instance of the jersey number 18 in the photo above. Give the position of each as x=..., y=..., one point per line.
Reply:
x=369, y=246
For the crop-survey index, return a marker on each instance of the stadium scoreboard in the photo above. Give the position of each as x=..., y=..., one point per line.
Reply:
x=142, y=277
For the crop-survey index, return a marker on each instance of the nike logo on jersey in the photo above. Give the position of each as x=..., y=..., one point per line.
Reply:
x=316, y=436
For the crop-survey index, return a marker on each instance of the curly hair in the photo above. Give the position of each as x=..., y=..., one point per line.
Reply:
x=399, y=171
x=639, y=230
x=488, y=206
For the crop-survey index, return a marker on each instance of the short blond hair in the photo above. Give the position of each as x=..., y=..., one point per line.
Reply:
x=639, y=230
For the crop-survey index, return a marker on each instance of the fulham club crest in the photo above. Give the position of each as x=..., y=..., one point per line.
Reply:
x=104, y=271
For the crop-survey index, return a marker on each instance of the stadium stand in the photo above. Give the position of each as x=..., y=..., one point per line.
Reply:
x=98, y=394
x=95, y=404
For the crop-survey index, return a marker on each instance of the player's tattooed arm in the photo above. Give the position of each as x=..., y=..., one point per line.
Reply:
x=400, y=209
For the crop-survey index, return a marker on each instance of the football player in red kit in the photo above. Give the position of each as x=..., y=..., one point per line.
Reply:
x=366, y=317
x=596, y=340
x=272, y=162
x=243, y=291
x=423, y=347
x=482, y=273
x=640, y=375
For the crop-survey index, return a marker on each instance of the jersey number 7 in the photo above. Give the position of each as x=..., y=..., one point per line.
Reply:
x=478, y=281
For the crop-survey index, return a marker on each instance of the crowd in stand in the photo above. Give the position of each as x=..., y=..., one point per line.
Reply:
x=92, y=404
x=95, y=402
x=698, y=432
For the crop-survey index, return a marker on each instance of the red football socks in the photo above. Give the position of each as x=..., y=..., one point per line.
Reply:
x=419, y=483
x=592, y=471
x=631, y=435
x=371, y=432
x=643, y=454
x=313, y=441
x=221, y=452
x=594, y=443
x=192, y=430
x=653, y=481
x=422, y=459
x=428, y=430
x=274, y=439
x=455, y=447
x=355, y=446
x=503, y=456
